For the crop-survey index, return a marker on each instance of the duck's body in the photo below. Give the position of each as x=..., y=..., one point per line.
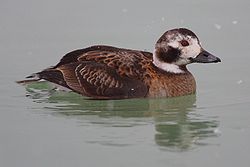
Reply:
x=105, y=72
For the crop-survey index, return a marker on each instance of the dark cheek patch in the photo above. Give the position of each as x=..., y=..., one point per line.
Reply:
x=169, y=56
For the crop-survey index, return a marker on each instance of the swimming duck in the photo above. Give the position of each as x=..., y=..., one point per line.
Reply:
x=106, y=72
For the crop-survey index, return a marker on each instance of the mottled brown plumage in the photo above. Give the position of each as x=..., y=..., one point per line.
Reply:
x=105, y=72
x=112, y=73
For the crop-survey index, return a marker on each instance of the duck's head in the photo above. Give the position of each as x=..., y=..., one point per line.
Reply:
x=178, y=47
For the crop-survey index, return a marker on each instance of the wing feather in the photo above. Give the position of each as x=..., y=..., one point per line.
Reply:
x=103, y=72
x=100, y=81
x=125, y=62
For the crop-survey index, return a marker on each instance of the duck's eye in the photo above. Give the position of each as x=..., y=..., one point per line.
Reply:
x=184, y=43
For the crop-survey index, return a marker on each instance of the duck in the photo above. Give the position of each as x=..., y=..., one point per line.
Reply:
x=107, y=72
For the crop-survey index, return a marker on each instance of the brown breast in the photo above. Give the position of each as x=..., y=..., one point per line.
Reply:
x=164, y=84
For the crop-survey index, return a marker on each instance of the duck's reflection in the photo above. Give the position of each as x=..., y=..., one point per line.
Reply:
x=176, y=123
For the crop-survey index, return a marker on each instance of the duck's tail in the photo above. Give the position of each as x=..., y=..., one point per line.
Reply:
x=50, y=74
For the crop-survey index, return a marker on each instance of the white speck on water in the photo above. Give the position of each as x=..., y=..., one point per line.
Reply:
x=239, y=82
x=235, y=22
x=124, y=10
x=148, y=28
x=217, y=26
x=163, y=19
x=217, y=131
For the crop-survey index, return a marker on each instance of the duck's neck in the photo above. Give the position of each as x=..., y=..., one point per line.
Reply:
x=168, y=67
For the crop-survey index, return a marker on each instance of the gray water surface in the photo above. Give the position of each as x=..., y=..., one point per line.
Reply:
x=43, y=127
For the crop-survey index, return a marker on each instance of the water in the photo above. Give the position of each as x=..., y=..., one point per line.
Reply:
x=43, y=127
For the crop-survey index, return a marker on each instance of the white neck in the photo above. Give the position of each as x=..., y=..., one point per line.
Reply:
x=172, y=68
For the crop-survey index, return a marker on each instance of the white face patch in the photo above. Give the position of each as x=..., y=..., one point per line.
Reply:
x=175, y=40
x=190, y=51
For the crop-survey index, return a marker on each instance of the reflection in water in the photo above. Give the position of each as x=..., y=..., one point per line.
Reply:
x=178, y=130
x=177, y=125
